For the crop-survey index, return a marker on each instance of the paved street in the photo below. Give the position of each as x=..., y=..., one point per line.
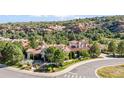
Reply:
x=88, y=70
x=6, y=73
x=83, y=71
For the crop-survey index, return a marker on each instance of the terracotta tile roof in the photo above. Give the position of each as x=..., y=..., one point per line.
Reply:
x=78, y=49
x=69, y=49
x=38, y=50
x=33, y=51
x=65, y=48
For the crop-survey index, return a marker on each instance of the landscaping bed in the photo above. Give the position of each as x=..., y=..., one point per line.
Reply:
x=51, y=69
x=111, y=71
x=48, y=68
x=67, y=64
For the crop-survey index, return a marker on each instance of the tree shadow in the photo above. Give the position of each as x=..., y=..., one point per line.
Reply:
x=116, y=56
x=2, y=66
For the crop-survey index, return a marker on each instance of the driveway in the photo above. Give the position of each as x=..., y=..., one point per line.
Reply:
x=86, y=70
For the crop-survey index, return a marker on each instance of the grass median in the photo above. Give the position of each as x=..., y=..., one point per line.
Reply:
x=111, y=71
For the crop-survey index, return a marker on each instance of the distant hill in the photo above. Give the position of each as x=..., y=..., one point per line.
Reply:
x=42, y=18
x=112, y=23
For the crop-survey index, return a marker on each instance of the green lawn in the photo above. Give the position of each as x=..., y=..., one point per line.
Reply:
x=111, y=72
x=67, y=64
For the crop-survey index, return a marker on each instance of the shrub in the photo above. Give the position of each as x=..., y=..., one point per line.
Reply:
x=112, y=47
x=11, y=54
x=55, y=55
x=95, y=50
x=84, y=53
x=26, y=66
x=120, y=48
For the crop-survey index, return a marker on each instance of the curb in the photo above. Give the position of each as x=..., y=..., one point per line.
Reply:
x=103, y=67
x=55, y=74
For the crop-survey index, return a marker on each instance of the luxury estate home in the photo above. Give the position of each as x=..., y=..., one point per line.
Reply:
x=73, y=46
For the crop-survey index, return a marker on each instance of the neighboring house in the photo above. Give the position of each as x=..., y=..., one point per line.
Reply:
x=24, y=42
x=78, y=45
x=74, y=46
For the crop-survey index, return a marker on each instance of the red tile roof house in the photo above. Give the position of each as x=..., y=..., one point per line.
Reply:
x=72, y=47
x=78, y=45
x=37, y=51
x=24, y=42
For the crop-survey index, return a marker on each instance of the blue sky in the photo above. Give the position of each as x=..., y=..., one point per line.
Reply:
x=36, y=18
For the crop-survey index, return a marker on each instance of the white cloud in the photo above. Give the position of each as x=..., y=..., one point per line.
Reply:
x=36, y=15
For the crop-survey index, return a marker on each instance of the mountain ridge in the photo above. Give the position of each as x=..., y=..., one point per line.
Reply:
x=42, y=18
